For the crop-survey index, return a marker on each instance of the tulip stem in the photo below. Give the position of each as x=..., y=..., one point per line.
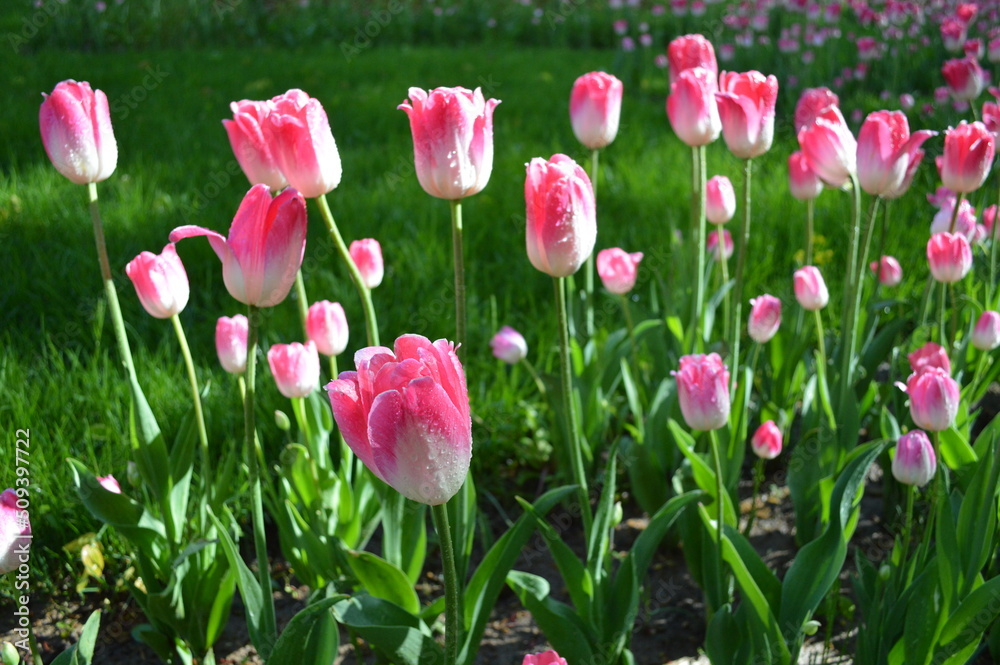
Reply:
x=820, y=342
x=267, y=621
x=196, y=398
x=852, y=298
x=942, y=328
x=720, y=504
x=458, y=253
x=451, y=584
x=810, y=231
x=569, y=406
x=698, y=154
x=371, y=323
x=109, y=285
x=534, y=375
x=905, y=544
x=758, y=477
x=954, y=212
x=300, y=293
x=726, y=304
x=589, y=268
x=36, y=654
x=994, y=236
x=741, y=261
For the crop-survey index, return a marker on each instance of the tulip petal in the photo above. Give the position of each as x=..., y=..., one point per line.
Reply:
x=351, y=418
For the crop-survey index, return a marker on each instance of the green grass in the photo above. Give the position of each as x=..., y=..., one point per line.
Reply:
x=58, y=374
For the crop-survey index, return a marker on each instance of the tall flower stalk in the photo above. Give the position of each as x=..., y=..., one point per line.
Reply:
x=741, y=260
x=458, y=255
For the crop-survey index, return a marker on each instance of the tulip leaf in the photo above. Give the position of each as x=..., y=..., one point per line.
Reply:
x=82, y=653
x=925, y=618
x=704, y=476
x=598, y=544
x=971, y=618
x=310, y=638
x=562, y=627
x=383, y=580
x=398, y=635
x=721, y=643
x=117, y=510
x=148, y=448
x=955, y=449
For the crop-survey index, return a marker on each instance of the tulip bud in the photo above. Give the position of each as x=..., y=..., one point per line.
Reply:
x=914, y=462
x=766, y=441
x=77, y=134
x=282, y=420
x=986, y=334
x=765, y=318
x=929, y=355
x=110, y=483
x=968, y=154
x=561, y=215
x=887, y=271
x=712, y=245
x=965, y=78
x=703, y=391
x=812, y=102
x=934, y=399
x=688, y=52
x=720, y=199
x=367, y=256
x=810, y=289
x=509, y=346
x=885, y=151
x=295, y=368
x=14, y=528
x=452, y=140
x=595, y=108
x=231, y=343
x=618, y=269
x=949, y=256
x=411, y=427
x=9, y=654
x=160, y=282
x=326, y=325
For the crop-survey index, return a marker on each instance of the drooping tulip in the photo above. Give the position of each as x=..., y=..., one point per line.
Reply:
x=561, y=215
x=298, y=134
x=295, y=368
x=746, y=109
x=250, y=146
x=703, y=391
x=810, y=288
x=885, y=150
x=618, y=269
x=263, y=251
x=405, y=414
x=509, y=346
x=75, y=124
x=766, y=441
x=968, y=155
x=160, y=282
x=934, y=398
x=765, y=318
x=231, y=343
x=326, y=325
x=452, y=132
x=949, y=256
x=15, y=532
x=595, y=109
x=367, y=256
x=692, y=109
x=830, y=147
x=914, y=462
x=720, y=199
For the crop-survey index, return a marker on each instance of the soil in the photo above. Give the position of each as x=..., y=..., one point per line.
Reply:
x=670, y=627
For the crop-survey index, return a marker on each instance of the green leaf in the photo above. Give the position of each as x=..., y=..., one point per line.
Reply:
x=722, y=637
x=955, y=449
x=398, y=635
x=599, y=544
x=977, y=518
x=763, y=577
x=310, y=638
x=118, y=510
x=562, y=627
x=924, y=618
x=384, y=580
x=148, y=448
x=82, y=653
x=704, y=476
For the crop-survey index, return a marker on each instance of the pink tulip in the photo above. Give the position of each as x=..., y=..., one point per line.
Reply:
x=989, y=221
x=452, y=140
x=712, y=245
x=986, y=334
x=965, y=220
x=298, y=133
x=916, y=158
x=991, y=117
x=765, y=318
x=295, y=368
x=545, y=658
x=941, y=197
x=160, y=282
x=689, y=52
x=934, y=398
x=405, y=414
x=595, y=107
x=561, y=215
x=965, y=78
x=326, y=325
x=509, y=346
x=15, y=532
x=885, y=150
x=929, y=355
x=914, y=462
x=803, y=182
x=618, y=269
x=110, y=483
x=766, y=441
x=968, y=154
x=692, y=109
x=811, y=104
x=246, y=136
x=746, y=109
x=703, y=391
x=887, y=270
x=76, y=131
x=993, y=50
x=720, y=199
x=265, y=245
x=367, y=256
x=231, y=343
x=810, y=289
x=830, y=147
x=949, y=256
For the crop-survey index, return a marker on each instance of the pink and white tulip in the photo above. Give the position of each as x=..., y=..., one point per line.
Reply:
x=15, y=533
x=160, y=282
x=929, y=355
x=326, y=326
x=812, y=102
x=703, y=391
x=367, y=256
x=720, y=251
x=949, y=256
x=830, y=147
x=561, y=215
x=231, y=343
x=76, y=131
x=914, y=462
x=405, y=414
x=885, y=150
x=965, y=78
x=765, y=318
x=689, y=52
x=692, y=109
x=595, y=107
x=618, y=269
x=803, y=183
x=452, y=132
x=250, y=146
x=986, y=334
x=968, y=155
x=720, y=199
x=264, y=248
x=110, y=483
x=545, y=658
x=298, y=134
x=295, y=368
x=509, y=346
x=887, y=270
x=934, y=399
x=746, y=109
x=810, y=288
x=766, y=441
